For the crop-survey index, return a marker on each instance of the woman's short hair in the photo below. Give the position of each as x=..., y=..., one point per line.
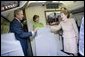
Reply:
x=63, y=8
x=66, y=13
x=35, y=17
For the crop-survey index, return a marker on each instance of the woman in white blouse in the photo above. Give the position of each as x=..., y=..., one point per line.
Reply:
x=70, y=32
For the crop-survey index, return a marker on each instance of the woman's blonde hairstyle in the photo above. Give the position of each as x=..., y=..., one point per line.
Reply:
x=65, y=11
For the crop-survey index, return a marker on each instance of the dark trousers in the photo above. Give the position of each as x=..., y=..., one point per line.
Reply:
x=30, y=53
x=27, y=49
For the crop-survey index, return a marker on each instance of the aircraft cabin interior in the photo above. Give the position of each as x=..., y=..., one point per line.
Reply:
x=51, y=36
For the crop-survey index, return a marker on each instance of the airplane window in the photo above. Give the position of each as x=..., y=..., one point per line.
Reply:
x=6, y=5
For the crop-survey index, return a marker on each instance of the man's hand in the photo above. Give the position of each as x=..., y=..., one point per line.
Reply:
x=34, y=32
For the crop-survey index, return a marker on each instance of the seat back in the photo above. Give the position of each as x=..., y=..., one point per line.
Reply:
x=9, y=44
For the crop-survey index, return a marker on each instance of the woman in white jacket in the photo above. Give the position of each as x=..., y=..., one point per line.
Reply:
x=70, y=32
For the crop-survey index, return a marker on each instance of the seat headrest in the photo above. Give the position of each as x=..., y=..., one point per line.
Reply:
x=8, y=37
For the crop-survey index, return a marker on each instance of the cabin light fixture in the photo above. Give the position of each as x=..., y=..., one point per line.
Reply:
x=55, y=1
x=36, y=1
x=13, y=5
x=6, y=7
x=41, y=1
x=2, y=8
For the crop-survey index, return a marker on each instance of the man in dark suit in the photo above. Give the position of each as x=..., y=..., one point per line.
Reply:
x=20, y=34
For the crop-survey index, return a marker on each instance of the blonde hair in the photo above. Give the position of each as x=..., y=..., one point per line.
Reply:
x=63, y=8
x=66, y=12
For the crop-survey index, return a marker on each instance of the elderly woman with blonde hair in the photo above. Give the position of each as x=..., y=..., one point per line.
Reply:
x=70, y=32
